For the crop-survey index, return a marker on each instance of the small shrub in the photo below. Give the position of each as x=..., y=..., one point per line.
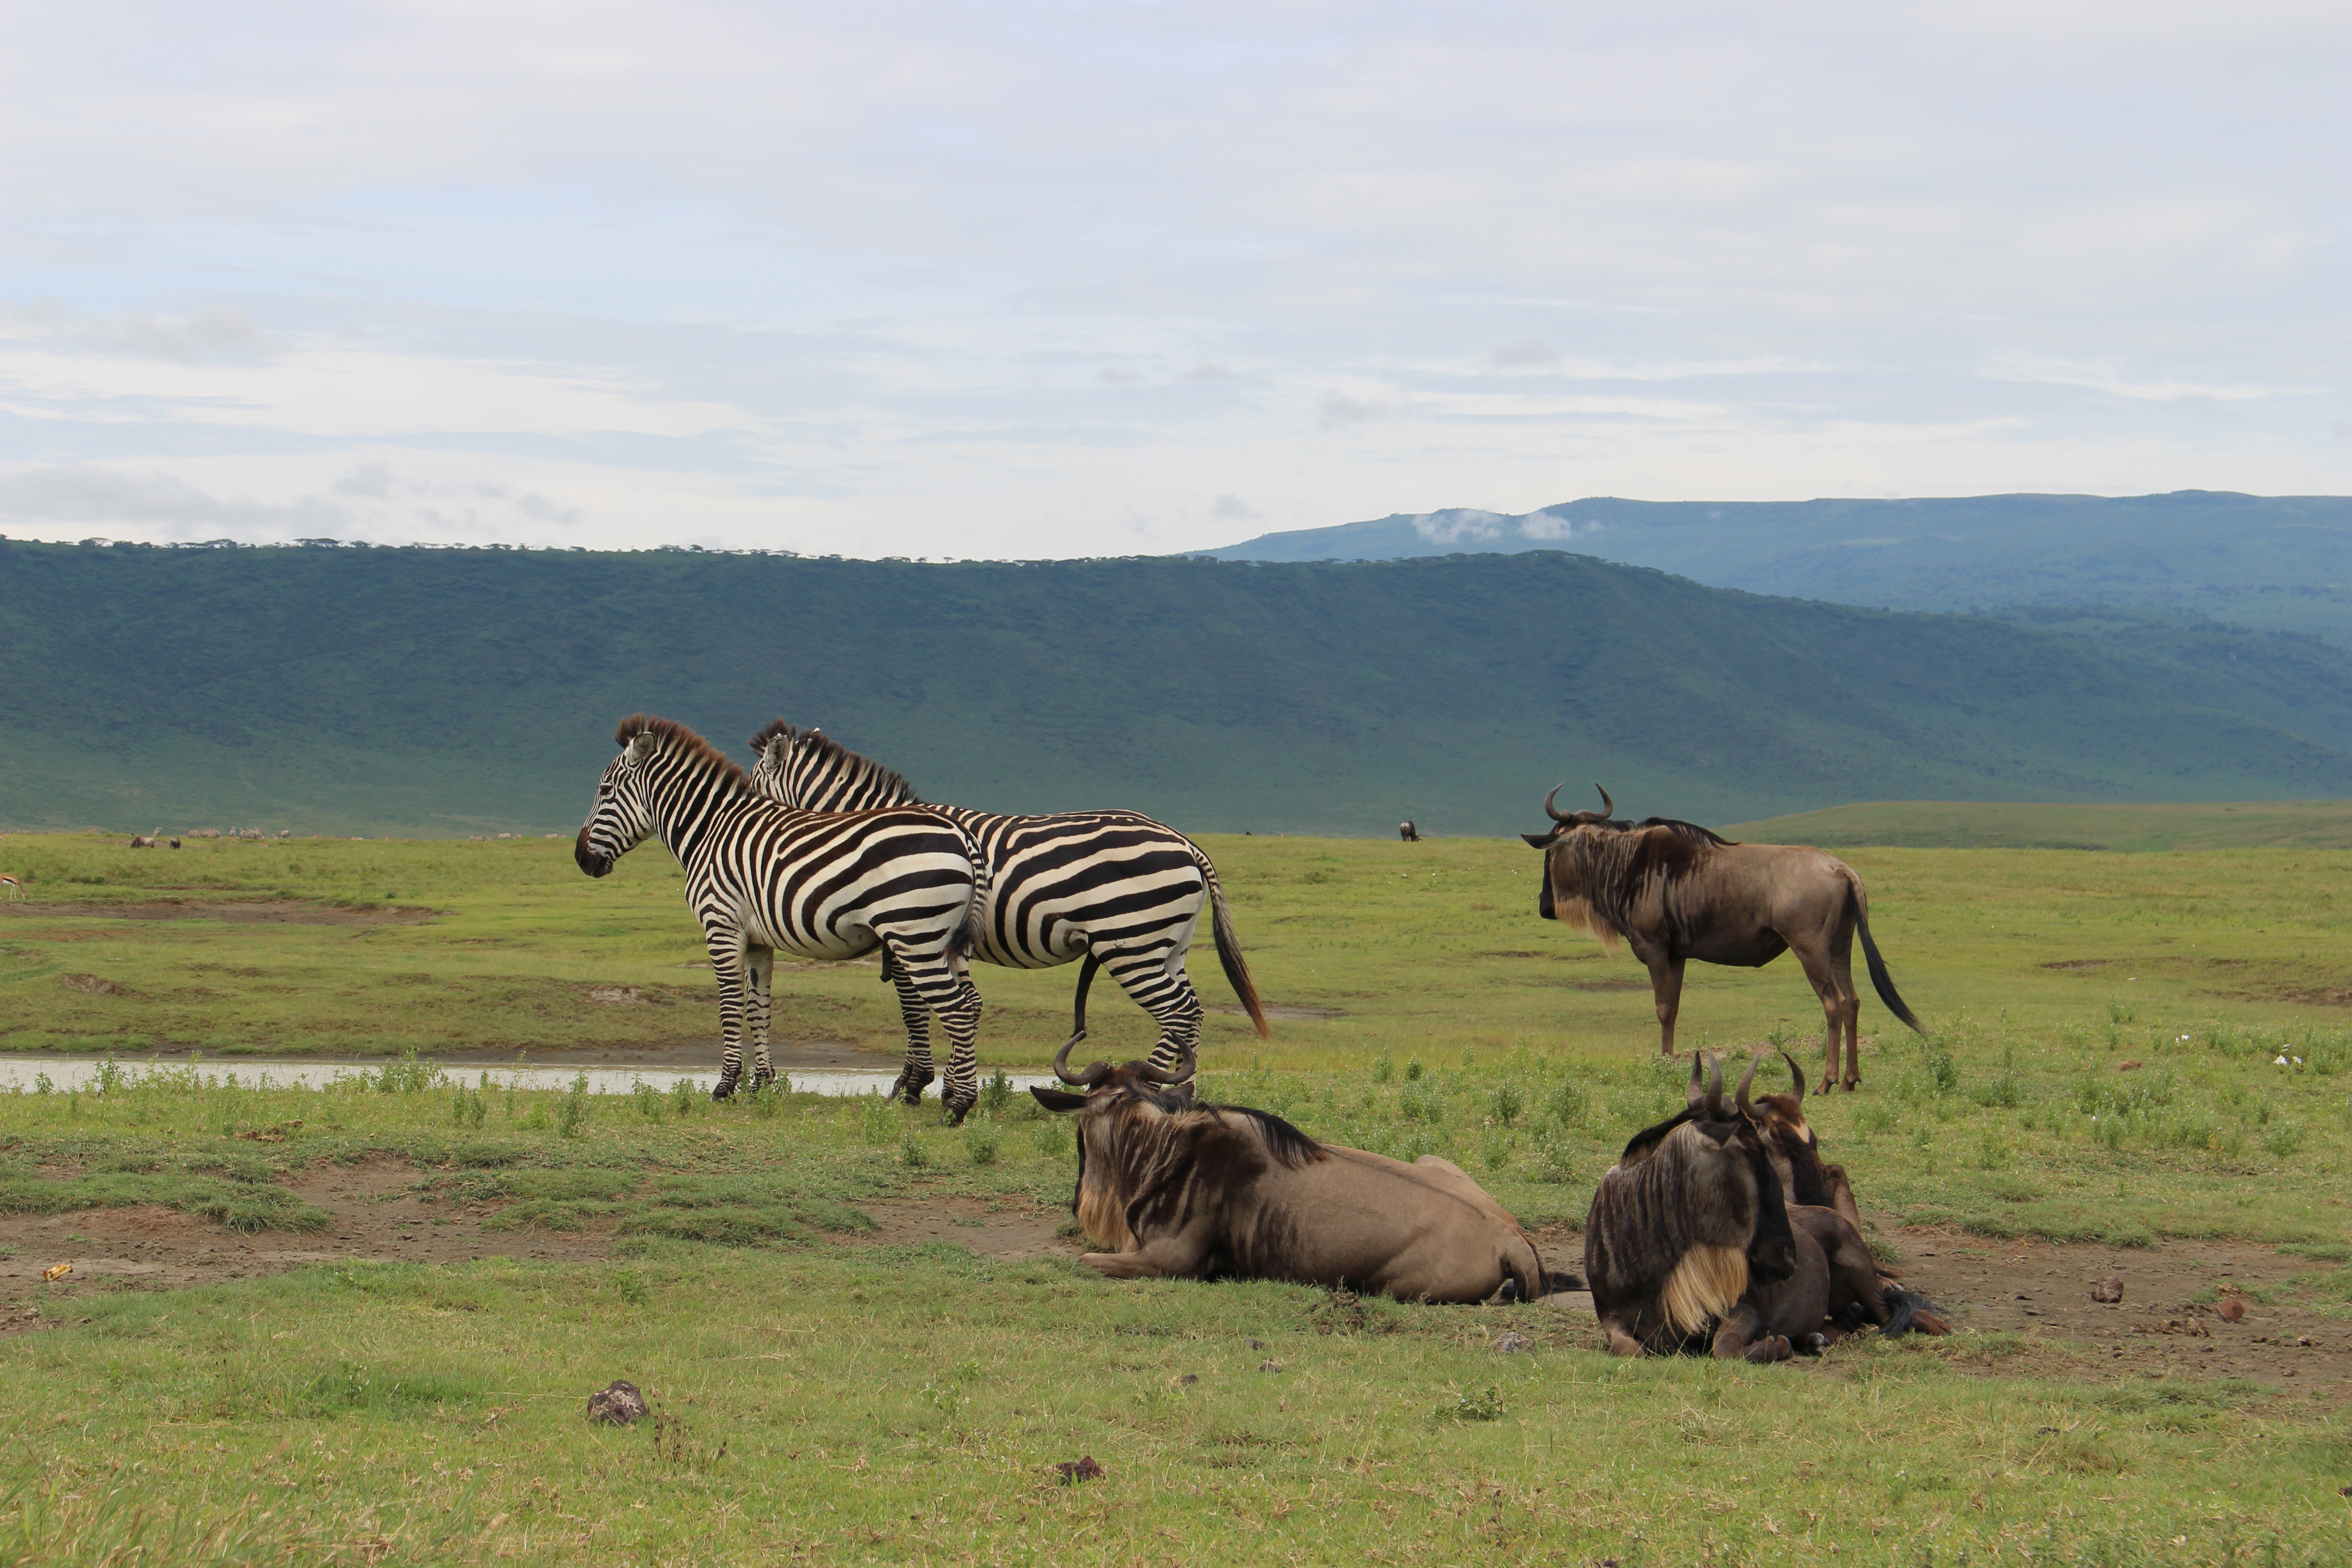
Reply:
x=1568, y=1104
x=1506, y=1103
x=647, y=1100
x=1384, y=1066
x=1992, y=1151
x=2283, y=1140
x=683, y=1095
x=1473, y=1405
x=1412, y=1070
x=876, y=1122
x=572, y=1111
x=911, y=1152
x=996, y=1094
x=1052, y=1137
x=981, y=1141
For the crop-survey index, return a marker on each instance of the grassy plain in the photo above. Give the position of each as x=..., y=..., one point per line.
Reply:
x=1994, y=825
x=829, y=1396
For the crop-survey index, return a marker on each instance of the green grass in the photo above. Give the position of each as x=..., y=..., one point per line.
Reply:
x=1980, y=824
x=856, y=1401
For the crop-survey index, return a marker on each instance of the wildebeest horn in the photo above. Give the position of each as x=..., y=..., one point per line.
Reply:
x=1607, y=806
x=1550, y=810
x=1715, y=1112
x=1091, y=1075
x=1746, y=1083
x=1695, y=1096
x=1150, y=1074
x=1796, y=1075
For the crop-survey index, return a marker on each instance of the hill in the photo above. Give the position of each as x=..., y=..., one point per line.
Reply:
x=1976, y=825
x=2280, y=562
x=455, y=691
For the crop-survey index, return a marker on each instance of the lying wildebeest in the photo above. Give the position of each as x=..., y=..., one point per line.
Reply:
x=1172, y=1188
x=1408, y=832
x=1675, y=891
x=1689, y=1243
x=1789, y=1142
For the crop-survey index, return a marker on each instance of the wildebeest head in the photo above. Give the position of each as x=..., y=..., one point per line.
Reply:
x=1725, y=1194
x=1562, y=895
x=1137, y=1125
x=1796, y=1151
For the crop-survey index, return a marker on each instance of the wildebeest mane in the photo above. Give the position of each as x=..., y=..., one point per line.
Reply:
x=1290, y=1147
x=1642, y=1244
x=682, y=738
x=828, y=752
x=1612, y=867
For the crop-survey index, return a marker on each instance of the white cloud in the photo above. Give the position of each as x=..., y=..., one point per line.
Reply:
x=212, y=333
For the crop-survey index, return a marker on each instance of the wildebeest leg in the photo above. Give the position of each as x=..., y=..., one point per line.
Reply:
x=1620, y=1342
x=1823, y=978
x=1667, y=988
x=1176, y=1256
x=1743, y=1336
x=760, y=965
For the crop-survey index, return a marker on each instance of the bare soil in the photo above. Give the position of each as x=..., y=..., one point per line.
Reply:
x=2168, y=1320
x=285, y=912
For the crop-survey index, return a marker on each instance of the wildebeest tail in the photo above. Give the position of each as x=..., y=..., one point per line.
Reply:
x=967, y=935
x=1229, y=949
x=1908, y=1313
x=1884, y=982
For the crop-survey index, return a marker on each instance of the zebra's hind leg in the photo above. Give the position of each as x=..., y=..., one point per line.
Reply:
x=959, y=1015
x=1168, y=995
x=915, y=1075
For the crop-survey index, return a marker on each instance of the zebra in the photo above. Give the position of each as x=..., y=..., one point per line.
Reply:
x=1114, y=888
x=763, y=877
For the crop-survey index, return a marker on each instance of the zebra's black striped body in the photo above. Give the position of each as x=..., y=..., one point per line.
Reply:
x=1114, y=887
x=764, y=878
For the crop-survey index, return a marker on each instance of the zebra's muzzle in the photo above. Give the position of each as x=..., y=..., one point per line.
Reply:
x=593, y=863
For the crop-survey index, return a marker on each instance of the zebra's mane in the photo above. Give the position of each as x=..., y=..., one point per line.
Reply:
x=825, y=753
x=680, y=738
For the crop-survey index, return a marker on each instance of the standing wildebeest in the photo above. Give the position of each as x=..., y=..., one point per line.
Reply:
x=1690, y=1242
x=1675, y=891
x=1408, y=832
x=1177, y=1189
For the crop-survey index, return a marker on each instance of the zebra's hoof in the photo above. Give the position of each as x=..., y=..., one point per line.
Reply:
x=763, y=1080
x=909, y=1090
x=722, y=1091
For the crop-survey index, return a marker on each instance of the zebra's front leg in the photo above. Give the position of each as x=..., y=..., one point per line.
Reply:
x=915, y=1075
x=760, y=965
x=727, y=963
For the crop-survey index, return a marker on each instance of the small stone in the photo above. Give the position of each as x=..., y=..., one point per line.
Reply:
x=1189, y=1379
x=1083, y=1468
x=2231, y=1310
x=1269, y=1366
x=1513, y=1344
x=2109, y=1290
x=617, y=1404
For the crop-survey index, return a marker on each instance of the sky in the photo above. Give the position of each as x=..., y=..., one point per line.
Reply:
x=1027, y=281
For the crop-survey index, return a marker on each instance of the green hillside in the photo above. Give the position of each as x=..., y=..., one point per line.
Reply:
x=460, y=691
x=1976, y=825
x=2278, y=562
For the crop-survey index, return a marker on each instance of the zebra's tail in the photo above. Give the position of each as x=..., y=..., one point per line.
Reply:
x=1229, y=948
x=967, y=935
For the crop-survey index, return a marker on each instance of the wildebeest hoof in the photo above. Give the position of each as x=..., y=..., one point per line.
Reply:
x=1813, y=1344
x=1775, y=1348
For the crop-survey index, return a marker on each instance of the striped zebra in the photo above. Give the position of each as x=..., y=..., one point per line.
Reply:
x=763, y=878
x=1115, y=888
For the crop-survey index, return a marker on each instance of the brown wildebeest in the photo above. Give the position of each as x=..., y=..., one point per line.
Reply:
x=1690, y=1243
x=1675, y=891
x=1174, y=1189
x=1408, y=832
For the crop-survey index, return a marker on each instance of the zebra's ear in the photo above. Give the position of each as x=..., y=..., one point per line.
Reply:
x=776, y=749
x=641, y=746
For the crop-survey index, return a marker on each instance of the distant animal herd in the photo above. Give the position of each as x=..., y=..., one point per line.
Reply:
x=1718, y=1229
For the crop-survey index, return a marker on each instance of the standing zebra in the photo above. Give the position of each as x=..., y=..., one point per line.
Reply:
x=1115, y=888
x=762, y=877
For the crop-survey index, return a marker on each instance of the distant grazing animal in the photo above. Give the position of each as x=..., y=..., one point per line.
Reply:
x=13, y=888
x=1174, y=1189
x=763, y=878
x=1675, y=891
x=1114, y=888
x=141, y=841
x=176, y=844
x=1408, y=832
x=1690, y=1244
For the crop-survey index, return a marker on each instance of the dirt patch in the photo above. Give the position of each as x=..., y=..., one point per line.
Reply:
x=1605, y=984
x=92, y=985
x=1004, y=1228
x=377, y=1215
x=2080, y=963
x=283, y=911
x=2042, y=1289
